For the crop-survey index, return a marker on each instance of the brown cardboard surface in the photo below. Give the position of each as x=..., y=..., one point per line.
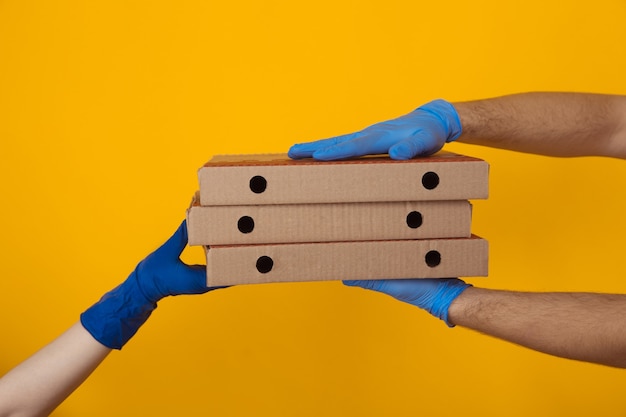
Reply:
x=285, y=223
x=249, y=264
x=276, y=179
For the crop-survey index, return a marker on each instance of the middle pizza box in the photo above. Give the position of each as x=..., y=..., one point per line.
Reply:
x=333, y=222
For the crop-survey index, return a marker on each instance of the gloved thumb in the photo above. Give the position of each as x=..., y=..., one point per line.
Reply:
x=175, y=245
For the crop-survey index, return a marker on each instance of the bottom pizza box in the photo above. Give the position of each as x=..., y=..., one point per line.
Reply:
x=393, y=259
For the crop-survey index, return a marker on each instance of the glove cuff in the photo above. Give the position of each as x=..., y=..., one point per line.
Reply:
x=118, y=315
x=446, y=294
x=448, y=115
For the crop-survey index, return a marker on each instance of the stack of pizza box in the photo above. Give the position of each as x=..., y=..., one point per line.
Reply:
x=267, y=218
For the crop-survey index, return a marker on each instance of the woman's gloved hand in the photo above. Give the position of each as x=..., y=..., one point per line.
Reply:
x=118, y=315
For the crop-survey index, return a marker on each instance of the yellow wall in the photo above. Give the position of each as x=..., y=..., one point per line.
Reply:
x=108, y=108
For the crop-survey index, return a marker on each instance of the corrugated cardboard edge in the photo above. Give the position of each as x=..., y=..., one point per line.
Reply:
x=297, y=223
x=393, y=259
x=284, y=181
x=279, y=159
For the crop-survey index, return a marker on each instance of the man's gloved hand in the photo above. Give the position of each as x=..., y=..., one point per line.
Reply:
x=118, y=315
x=419, y=133
x=432, y=295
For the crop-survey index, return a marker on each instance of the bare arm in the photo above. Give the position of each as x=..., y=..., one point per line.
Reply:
x=589, y=327
x=583, y=326
x=554, y=124
x=40, y=383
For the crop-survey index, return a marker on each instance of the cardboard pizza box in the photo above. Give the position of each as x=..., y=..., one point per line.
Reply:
x=277, y=179
x=289, y=223
x=390, y=259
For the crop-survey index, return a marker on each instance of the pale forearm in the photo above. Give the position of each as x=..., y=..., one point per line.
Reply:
x=554, y=124
x=583, y=326
x=39, y=384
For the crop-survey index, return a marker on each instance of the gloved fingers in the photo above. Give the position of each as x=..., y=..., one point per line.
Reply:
x=363, y=283
x=189, y=279
x=366, y=143
x=175, y=245
x=422, y=143
x=397, y=288
x=201, y=277
x=408, y=290
x=306, y=150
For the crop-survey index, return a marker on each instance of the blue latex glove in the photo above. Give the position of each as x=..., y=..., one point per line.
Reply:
x=433, y=295
x=419, y=133
x=118, y=315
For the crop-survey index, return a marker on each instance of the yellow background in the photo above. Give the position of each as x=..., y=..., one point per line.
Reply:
x=108, y=108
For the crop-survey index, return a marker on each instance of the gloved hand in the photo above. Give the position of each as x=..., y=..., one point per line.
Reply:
x=419, y=133
x=118, y=315
x=432, y=295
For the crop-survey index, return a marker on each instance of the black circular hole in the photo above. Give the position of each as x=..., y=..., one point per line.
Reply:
x=433, y=258
x=414, y=219
x=264, y=264
x=245, y=224
x=430, y=180
x=258, y=184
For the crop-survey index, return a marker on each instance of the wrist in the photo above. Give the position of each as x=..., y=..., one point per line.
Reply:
x=461, y=307
x=469, y=120
x=119, y=314
x=447, y=115
x=448, y=291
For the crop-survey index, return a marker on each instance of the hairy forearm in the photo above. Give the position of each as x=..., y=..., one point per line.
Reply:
x=583, y=326
x=40, y=383
x=553, y=124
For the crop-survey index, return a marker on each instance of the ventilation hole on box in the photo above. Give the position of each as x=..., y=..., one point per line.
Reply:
x=433, y=258
x=258, y=184
x=245, y=224
x=264, y=264
x=430, y=180
x=414, y=219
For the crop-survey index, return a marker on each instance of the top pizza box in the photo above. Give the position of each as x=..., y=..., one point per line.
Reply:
x=277, y=179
